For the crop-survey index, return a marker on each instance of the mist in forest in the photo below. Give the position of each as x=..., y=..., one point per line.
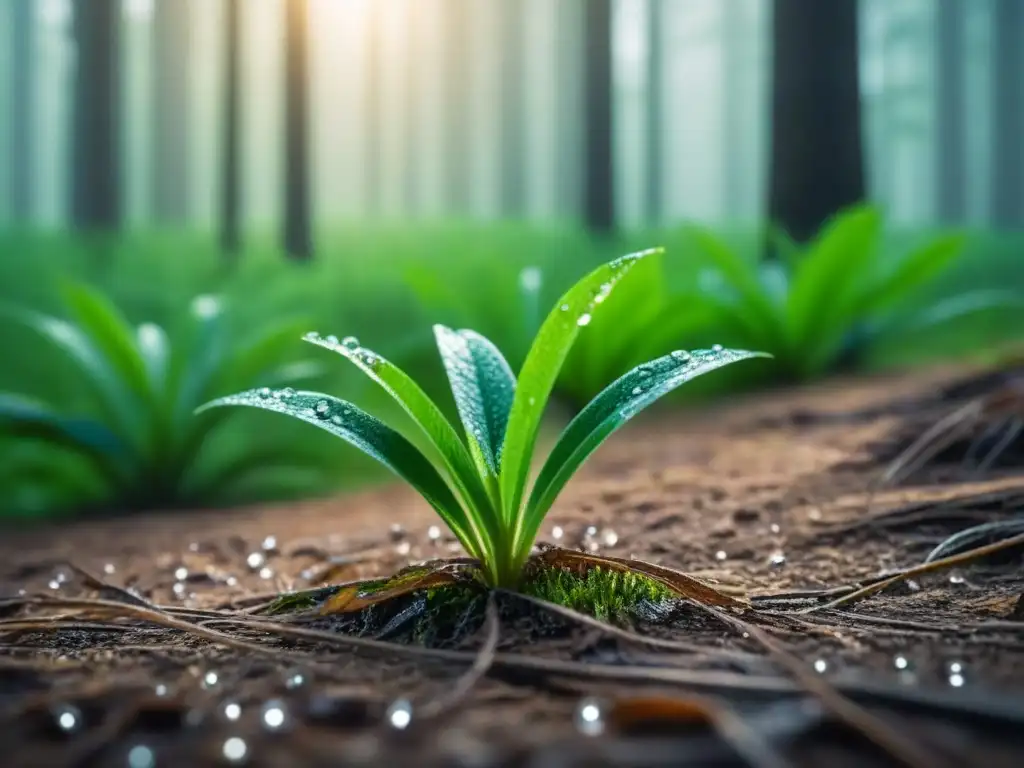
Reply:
x=238, y=115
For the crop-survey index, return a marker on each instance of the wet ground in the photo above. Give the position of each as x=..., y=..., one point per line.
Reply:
x=130, y=642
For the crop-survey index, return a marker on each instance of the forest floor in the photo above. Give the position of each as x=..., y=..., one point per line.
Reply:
x=777, y=494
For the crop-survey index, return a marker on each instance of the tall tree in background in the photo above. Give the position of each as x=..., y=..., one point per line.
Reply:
x=455, y=34
x=230, y=191
x=298, y=238
x=735, y=173
x=96, y=158
x=512, y=49
x=23, y=27
x=950, y=116
x=654, y=124
x=373, y=109
x=1008, y=113
x=598, y=157
x=171, y=82
x=816, y=160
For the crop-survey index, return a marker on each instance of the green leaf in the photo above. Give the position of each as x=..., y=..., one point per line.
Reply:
x=540, y=370
x=825, y=285
x=374, y=438
x=111, y=334
x=612, y=408
x=154, y=350
x=957, y=307
x=428, y=417
x=914, y=270
x=483, y=386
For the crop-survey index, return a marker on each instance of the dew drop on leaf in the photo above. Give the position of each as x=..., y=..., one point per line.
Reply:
x=332, y=339
x=716, y=348
x=637, y=390
x=583, y=320
x=323, y=409
x=263, y=392
x=312, y=336
x=681, y=355
x=564, y=307
x=350, y=342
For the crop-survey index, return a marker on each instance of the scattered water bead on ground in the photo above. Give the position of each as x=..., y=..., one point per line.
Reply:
x=399, y=714
x=609, y=538
x=194, y=546
x=181, y=573
x=956, y=680
x=256, y=560
x=141, y=756
x=269, y=543
x=274, y=716
x=403, y=548
x=434, y=533
x=210, y=680
x=590, y=717
x=557, y=532
x=68, y=717
x=777, y=559
x=820, y=666
x=957, y=579
x=54, y=584
x=294, y=680
x=235, y=749
x=720, y=555
x=109, y=569
x=912, y=585
x=231, y=581
x=591, y=530
x=266, y=573
x=901, y=663
x=160, y=690
x=774, y=528
x=179, y=589
x=232, y=710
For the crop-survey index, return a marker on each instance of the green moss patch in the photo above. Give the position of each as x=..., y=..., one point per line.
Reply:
x=606, y=595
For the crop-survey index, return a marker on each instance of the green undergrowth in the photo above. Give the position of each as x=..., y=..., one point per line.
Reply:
x=443, y=616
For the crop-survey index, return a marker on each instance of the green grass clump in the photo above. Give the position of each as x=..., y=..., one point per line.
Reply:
x=606, y=595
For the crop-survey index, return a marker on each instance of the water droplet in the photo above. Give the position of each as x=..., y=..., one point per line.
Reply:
x=332, y=339
x=179, y=589
x=294, y=680
x=336, y=419
x=68, y=717
x=957, y=579
x=399, y=714
x=311, y=336
x=774, y=528
x=955, y=668
x=270, y=543
x=181, y=573
x=716, y=348
x=141, y=756
x=433, y=533
x=273, y=715
x=901, y=663
x=235, y=749
x=564, y=308
x=231, y=581
x=286, y=392
x=912, y=585
x=256, y=560
x=109, y=568
x=350, y=342
x=602, y=292
x=609, y=538
x=531, y=400
x=583, y=319
x=820, y=666
x=557, y=532
x=322, y=409
x=777, y=559
x=160, y=690
x=589, y=717
x=263, y=392
x=637, y=390
x=957, y=681
x=591, y=530
x=54, y=584
x=720, y=555
x=266, y=573
x=210, y=680
x=681, y=355
x=403, y=548
x=232, y=710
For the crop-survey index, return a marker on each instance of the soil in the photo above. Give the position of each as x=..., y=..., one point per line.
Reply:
x=778, y=495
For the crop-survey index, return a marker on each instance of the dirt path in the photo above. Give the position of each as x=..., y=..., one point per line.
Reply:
x=771, y=494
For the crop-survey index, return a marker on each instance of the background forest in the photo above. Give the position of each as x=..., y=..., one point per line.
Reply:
x=187, y=186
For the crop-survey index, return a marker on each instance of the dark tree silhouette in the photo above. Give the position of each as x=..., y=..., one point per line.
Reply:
x=230, y=183
x=171, y=49
x=655, y=111
x=511, y=52
x=598, y=158
x=1008, y=113
x=96, y=159
x=298, y=238
x=22, y=108
x=816, y=161
x=950, y=118
x=455, y=33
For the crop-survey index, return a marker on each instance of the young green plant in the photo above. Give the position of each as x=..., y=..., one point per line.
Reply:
x=479, y=485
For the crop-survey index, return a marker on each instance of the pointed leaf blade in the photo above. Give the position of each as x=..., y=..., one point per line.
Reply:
x=613, y=407
x=371, y=436
x=913, y=270
x=541, y=368
x=483, y=386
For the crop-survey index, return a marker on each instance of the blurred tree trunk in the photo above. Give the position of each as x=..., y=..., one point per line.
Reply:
x=654, y=126
x=230, y=200
x=96, y=139
x=734, y=176
x=950, y=118
x=1008, y=113
x=598, y=129
x=513, y=107
x=171, y=84
x=298, y=239
x=411, y=117
x=455, y=33
x=816, y=160
x=22, y=108
x=373, y=162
